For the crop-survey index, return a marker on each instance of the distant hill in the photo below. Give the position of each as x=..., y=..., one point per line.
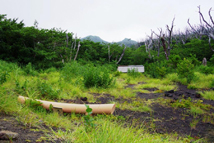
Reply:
x=94, y=39
x=127, y=42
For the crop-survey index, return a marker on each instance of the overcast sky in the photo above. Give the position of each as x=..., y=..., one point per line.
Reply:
x=112, y=20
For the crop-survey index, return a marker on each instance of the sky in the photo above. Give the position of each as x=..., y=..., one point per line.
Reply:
x=111, y=20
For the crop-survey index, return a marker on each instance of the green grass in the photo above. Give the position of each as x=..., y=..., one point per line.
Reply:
x=107, y=129
x=110, y=132
x=196, y=111
x=208, y=95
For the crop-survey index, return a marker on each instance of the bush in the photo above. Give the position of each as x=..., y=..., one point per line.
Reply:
x=97, y=77
x=185, y=70
x=30, y=70
x=161, y=71
x=46, y=90
x=194, y=60
x=174, y=60
x=117, y=73
x=205, y=69
x=71, y=70
x=3, y=77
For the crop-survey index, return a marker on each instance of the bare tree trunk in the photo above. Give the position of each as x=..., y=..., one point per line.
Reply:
x=204, y=62
x=62, y=59
x=71, y=51
x=77, y=51
x=164, y=47
x=121, y=55
x=169, y=42
x=159, y=39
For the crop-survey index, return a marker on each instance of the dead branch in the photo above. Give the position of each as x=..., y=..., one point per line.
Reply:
x=121, y=55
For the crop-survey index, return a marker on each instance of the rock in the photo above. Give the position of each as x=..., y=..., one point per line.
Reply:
x=175, y=98
x=170, y=91
x=8, y=135
x=83, y=98
x=197, y=95
x=168, y=95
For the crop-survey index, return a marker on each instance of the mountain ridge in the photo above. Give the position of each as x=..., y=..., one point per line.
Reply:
x=126, y=41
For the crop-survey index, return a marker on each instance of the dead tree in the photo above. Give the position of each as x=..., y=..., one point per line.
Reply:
x=204, y=61
x=158, y=41
x=206, y=28
x=77, y=51
x=169, y=36
x=164, y=46
x=121, y=55
x=148, y=43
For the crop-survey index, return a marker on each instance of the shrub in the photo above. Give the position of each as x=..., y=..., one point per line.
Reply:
x=3, y=77
x=117, y=73
x=205, y=69
x=28, y=69
x=71, y=70
x=97, y=77
x=161, y=71
x=46, y=90
x=185, y=70
x=194, y=60
x=174, y=60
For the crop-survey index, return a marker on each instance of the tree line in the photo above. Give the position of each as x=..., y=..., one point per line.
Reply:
x=54, y=47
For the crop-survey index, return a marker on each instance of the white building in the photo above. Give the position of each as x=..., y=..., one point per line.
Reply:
x=139, y=68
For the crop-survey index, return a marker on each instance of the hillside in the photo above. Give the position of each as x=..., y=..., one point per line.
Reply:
x=94, y=39
x=127, y=42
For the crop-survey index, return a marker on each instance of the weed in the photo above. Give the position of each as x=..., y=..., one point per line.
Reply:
x=182, y=103
x=35, y=105
x=194, y=123
x=117, y=73
x=194, y=110
x=133, y=73
x=3, y=77
x=88, y=119
x=46, y=90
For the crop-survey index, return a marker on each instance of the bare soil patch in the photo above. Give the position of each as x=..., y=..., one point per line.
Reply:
x=33, y=134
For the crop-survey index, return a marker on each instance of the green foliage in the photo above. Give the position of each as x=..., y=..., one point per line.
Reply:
x=117, y=73
x=183, y=103
x=71, y=70
x=46, y=90
x=205, y=69
x=88, y=119
x=161, y=71
x=174, y=59
x=30, y=70
x=133, y=73
x=194, y=59
x=3, y=77
x=97, y=77
x=185, y=70
x=8, y=103
x=35, y=105
x=158, y=69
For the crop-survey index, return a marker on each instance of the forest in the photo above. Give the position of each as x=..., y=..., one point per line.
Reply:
x=172, y=101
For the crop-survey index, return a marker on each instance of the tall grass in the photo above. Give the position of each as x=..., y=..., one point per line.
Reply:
x=111, y=132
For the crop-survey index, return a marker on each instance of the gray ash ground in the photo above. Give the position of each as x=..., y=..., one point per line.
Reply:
x=26, y=134
x=166, y=119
